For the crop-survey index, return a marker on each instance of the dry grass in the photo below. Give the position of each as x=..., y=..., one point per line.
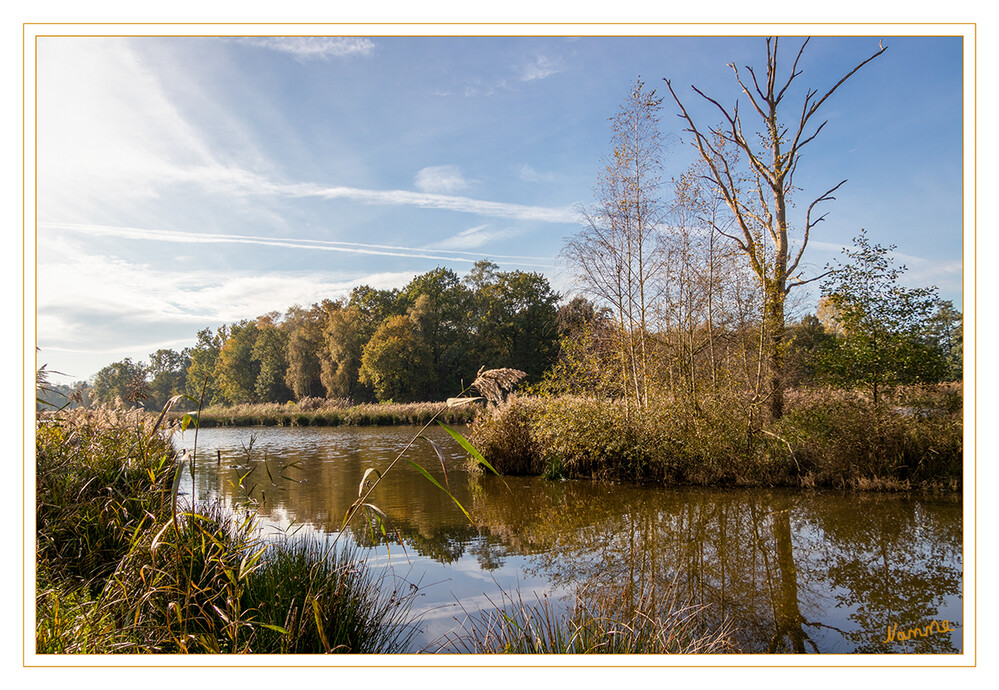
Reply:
x=827, y=438
x=313, y=412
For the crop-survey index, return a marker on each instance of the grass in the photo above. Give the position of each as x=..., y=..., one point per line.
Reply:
x=604, y=624
x=119, y=571
x=827, y=438
x=312, y=412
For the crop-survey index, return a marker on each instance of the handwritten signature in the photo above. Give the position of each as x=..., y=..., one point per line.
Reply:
x=894, y=634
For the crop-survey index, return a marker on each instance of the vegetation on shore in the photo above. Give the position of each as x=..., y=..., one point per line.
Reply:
x=827, y=438
x=121, y=568
x=321, y=412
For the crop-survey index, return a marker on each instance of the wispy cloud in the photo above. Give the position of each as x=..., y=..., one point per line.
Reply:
x=527, y=173
x=105, y=304
x=438, y=201
x=182, y=237
x=314, y=48
x=541, y=68
x=479, y=236
x=441, y=179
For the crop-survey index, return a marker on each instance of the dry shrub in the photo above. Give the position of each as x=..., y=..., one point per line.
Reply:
x=505, y=436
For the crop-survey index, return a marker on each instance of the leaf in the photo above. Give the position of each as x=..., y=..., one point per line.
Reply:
x=463, y=442
x=436, y=483
x=364, y=479
x=440, y=456
x=275, y=628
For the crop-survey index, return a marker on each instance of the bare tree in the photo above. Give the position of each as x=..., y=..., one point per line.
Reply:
x=616, y=255
x=760, y=207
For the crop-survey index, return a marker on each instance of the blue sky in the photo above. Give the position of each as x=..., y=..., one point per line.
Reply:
x=190, y=182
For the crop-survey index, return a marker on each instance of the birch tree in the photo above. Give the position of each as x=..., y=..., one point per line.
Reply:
x=760, y=208
x=616, y=255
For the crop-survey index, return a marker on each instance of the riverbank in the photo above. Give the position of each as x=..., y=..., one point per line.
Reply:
x=826, y=439
x=318, y=412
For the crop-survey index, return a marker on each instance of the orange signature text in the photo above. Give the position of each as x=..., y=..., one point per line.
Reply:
x=894, y=634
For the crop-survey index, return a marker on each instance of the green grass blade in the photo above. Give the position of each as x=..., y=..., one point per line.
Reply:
x=463, y=442
x=436, y=483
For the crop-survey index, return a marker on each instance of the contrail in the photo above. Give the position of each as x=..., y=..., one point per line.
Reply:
x=183, y=237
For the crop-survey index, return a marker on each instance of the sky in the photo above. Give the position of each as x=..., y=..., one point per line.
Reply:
x=187, y=182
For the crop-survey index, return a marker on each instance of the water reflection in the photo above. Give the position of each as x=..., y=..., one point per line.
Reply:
x=795, y=572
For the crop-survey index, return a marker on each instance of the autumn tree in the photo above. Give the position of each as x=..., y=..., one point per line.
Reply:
x=305, y=351
x=396, y=363
x=345, y=333
x=236, y=370
x=204, y=359
x=760, y=203
x=617, y=255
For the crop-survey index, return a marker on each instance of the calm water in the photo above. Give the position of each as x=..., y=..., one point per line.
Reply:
x=794, y=572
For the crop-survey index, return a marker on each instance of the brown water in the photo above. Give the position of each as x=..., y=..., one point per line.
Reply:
x=793, y=571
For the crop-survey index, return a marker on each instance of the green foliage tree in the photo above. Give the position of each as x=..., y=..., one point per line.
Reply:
x=124, y=380
x=514, y=320
x=270, y=352
x=236, y=371
x=396, y=363
x=945, y=332
x=204, y=358
x=168, y=376
x=438, y=304
x=807, y=341
x=885, y=325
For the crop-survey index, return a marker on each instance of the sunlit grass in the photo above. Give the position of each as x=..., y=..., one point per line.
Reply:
x=333, y=413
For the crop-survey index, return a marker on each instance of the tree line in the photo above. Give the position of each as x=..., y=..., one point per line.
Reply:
x=420, y=342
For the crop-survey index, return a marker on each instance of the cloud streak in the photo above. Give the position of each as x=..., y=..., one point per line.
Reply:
x=496, y=209
x=183, y=237
x=312, y=47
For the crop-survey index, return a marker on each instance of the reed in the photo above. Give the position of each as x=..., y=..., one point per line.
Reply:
x=827, y=438
x=120, y=569
x=333, y=413
x=604, y=624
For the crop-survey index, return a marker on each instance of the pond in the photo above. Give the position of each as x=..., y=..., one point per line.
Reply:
x=791, y=571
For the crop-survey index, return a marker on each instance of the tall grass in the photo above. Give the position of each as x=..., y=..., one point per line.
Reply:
x=118, y=570
x=311, y=412
x=606, y=624
x=826, y=438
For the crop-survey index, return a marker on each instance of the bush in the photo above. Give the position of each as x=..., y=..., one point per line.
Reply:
x=826, y=438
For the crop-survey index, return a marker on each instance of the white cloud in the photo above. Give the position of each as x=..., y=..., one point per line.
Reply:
x=441, y=179
x=314, y=48
x=438, y=201
x=85, y=299
x=542, y=68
